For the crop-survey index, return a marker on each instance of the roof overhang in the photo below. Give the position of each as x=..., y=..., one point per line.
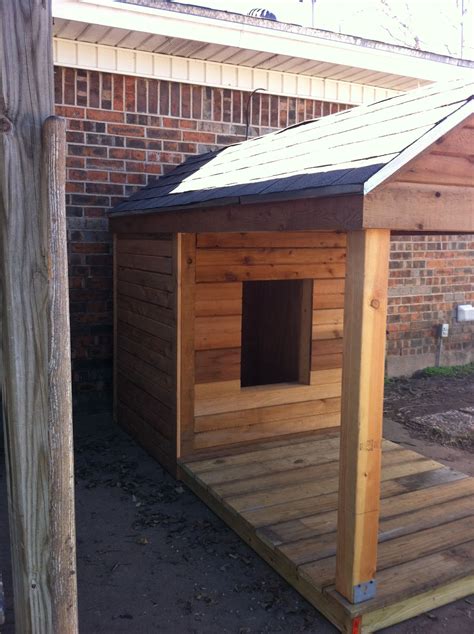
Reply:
x=184, y=31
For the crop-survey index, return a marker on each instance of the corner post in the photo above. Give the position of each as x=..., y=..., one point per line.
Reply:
x=365, y=315
x=36, y=376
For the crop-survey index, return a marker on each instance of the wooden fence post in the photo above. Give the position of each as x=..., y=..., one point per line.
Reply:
x=365, y=316
x=36, y=357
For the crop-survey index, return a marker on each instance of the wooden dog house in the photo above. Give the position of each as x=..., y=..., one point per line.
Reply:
x=251, y=300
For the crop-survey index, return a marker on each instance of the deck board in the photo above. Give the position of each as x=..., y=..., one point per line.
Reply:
x=282, y=499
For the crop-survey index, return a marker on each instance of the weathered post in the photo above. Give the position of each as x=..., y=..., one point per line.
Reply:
x=36, y=358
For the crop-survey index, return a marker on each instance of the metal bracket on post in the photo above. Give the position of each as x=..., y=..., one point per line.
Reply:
x=364, y=591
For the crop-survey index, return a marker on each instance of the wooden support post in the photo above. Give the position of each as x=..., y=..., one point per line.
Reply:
x=36, y=357
x=365, y=314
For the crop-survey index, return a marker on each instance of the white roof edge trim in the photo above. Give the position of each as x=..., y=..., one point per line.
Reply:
x=424, y=142
x=256, y=37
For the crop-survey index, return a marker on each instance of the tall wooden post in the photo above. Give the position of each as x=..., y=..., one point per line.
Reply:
x=36, y=356
x=365, y=315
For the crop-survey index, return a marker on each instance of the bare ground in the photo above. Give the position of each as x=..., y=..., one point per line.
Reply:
x=153, y=558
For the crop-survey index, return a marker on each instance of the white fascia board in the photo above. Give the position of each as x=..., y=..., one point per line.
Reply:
x=145, y=19
x=416, y=148
x=112, y=59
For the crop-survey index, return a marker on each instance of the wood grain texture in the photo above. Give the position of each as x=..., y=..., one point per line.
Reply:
x=224, y=262
x=186, y=301
x=365, y=310
x=417, y=207
x=36, y=383
x=339, y=213
x=146, y=343
x=215, y=398
x=235, y=273
x=266, y=239
x=281, y=496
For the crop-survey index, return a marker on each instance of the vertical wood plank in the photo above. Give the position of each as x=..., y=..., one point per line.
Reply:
x=186, y=291
x=305, y=331
x=37, y=382
x=62, y=529
x=365, y=313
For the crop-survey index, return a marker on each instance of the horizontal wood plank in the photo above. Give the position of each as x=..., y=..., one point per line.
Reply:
x=156, y=264
x=268, y=414
x=329, y=485
x=399, y=550
x=308, y=239
x=146, y=294
x=155, y=383
x=154, y=412
x=154, y=357
x=146, y=309
x=242, y=257
x=435, y=168
x=147, y=436
x=394, y=508
x=144, y=247
x=265, y=430
x=410, y=207
x=145, y=339
x=269, y=272
x=214, y=398
x=336, y=213
x=217, y=365
x=219, y=298
x=221, y=332
x=150, y=326
x=326, y=361
x=146, y=278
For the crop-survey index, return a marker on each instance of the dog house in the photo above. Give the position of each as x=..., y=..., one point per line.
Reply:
x=250, y=319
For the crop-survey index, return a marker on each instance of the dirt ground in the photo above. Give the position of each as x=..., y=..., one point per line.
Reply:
x=153, y=558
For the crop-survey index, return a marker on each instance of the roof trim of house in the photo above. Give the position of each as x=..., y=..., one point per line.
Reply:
x=113, y=59
x=393, y=67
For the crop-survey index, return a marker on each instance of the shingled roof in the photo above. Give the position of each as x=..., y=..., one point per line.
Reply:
x=349, y=152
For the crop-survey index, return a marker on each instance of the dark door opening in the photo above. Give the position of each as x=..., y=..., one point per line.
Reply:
x=276, y=332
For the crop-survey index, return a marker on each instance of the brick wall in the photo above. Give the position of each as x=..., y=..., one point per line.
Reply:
x=124, y=131
x=429, y=277
x=121, y=133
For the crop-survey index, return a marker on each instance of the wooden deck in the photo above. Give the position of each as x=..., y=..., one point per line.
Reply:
x=281, y=498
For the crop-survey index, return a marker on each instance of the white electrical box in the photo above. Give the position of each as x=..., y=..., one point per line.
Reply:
x=465, y=312
x=444, y=330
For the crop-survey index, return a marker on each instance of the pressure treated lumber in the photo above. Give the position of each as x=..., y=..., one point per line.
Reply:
x=281, y=497
x=365, y=309
x=37, y=381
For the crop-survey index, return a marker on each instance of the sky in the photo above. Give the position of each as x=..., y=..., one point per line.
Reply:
x=430, y=25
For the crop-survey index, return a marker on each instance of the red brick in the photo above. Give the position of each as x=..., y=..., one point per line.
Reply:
x=164, y=98
x=153, y=96
x=125, y=130
x=105, y=115
x=119, y=93
x=199, y=137
x=130, y=97
x=72, y=112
